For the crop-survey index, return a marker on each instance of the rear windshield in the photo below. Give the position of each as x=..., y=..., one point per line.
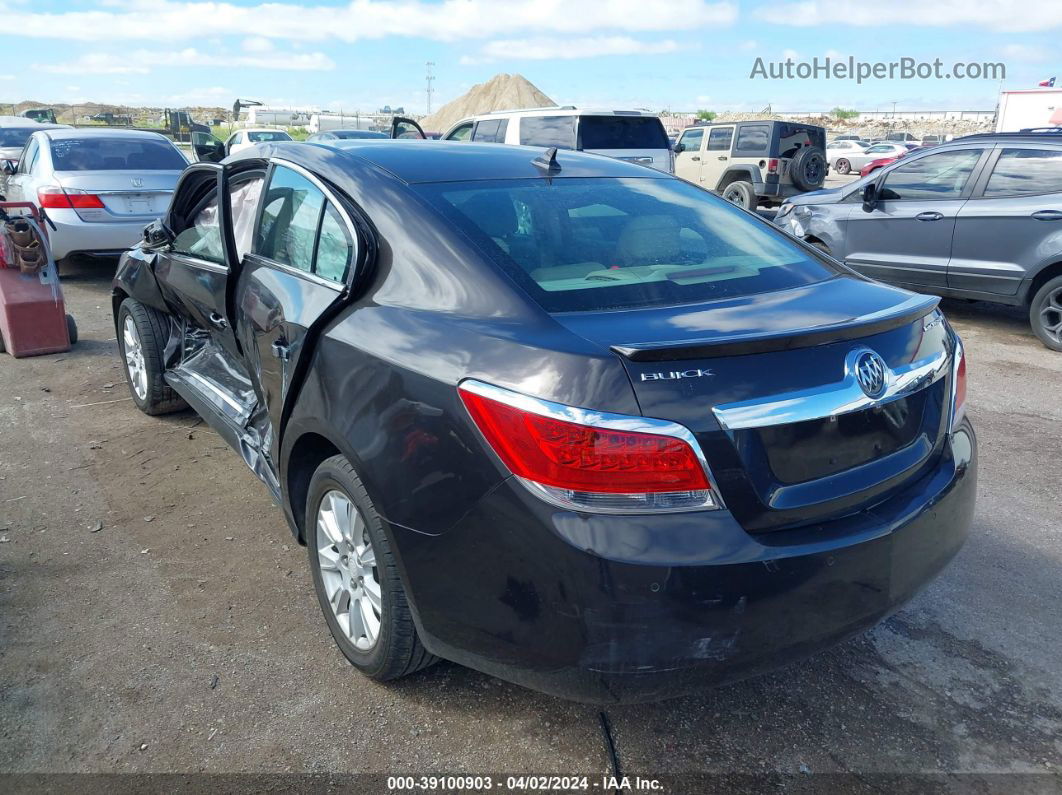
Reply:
x=15, y=136
x=622, y=132
x=606, y=243
x=115, y=154
x=259, y=137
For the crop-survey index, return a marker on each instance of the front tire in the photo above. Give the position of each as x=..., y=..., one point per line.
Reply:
x=356, y=577
x=141, y=341
x=741, y=194
x=1045, y=314
x=843, y=166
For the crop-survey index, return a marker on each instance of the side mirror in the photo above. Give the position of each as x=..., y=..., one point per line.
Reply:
x=157, y=234
x=680, y=148
x=870, y=197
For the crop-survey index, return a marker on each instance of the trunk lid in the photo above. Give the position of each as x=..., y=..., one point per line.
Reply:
x=769, y=385
x=126, y=195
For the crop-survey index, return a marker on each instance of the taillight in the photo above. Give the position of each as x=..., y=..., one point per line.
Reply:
x=958, y=390
x=591, y=461
x=53, y=198
x=772, y=166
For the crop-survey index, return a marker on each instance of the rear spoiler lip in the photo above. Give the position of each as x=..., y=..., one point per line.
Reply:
x=915, y=307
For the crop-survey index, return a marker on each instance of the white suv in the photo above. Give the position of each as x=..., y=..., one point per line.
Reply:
x=632, y=135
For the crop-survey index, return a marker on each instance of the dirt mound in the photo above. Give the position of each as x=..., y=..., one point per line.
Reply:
x=501, y=92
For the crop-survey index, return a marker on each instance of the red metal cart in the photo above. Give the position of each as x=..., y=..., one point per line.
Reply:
x=33, y=317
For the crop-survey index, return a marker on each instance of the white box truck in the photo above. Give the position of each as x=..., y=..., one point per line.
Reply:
x=1034, y=107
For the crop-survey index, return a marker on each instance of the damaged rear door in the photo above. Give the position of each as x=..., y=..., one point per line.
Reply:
x=292, y=280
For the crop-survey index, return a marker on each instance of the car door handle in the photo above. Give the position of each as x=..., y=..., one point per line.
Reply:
x=695, y=157
x=218, y=321
x=1048, y=215
x=722, y=157
x=930, y=216
x=280, y=349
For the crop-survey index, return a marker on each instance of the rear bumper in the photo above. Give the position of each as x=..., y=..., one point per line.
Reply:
x=621, y=609
x=74, y=236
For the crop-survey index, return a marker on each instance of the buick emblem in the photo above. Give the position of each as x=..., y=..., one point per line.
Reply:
x=870, y=373
x=137, y=182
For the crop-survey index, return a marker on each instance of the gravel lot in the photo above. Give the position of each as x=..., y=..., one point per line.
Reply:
x=184, y=635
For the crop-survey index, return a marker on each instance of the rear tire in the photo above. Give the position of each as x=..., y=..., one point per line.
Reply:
x=741, y=194
x=1045, y=314
x=71, y=329
x=356, y=577
x=843, y=166
x=821, y=246
x=141, y=341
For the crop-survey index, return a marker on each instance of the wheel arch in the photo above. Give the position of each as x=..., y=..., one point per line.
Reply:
x=737, y=173
x=308, y=451
x=1032, y=285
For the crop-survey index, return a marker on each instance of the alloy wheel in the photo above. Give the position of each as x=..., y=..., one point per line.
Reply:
x=348, y=569
x=134, y=357
x=1051, y=315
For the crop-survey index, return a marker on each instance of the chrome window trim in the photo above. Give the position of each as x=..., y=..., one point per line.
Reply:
x=957, y=355
x=598, y=419
x=831, y=400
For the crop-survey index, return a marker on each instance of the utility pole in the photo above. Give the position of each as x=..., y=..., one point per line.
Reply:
x=429, y=78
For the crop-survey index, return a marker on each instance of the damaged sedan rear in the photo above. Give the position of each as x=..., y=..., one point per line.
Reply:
x=563, y=419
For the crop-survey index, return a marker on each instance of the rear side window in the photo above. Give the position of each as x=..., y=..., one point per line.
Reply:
x=290, y=217
x=590, y=244
x=719, y=139
x=1026, y=171
x=491, y=131
x=794, y=137
x=939, y=176
x=558, y=131
x=115, y=154
x=335, y=249
x=301, y=229
x=621, y=132
x=752, y=139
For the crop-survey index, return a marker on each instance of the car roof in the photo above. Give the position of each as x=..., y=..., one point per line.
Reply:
x=461, y=161
x=66, y=133
x=262, y=129
x=29, y=124
x=558, y=110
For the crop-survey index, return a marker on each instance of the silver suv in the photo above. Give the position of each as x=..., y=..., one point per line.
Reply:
x=979, y=217
x=754, y=162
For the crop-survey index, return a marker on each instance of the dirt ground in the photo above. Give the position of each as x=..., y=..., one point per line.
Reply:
x=184, y=635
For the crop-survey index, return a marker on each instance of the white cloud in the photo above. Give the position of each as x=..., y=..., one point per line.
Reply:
x=995, y=15
x=171, y=20
x=541, y=49
x=257, y=44
x=141, y=62
x=790, y=55
x=751, y=44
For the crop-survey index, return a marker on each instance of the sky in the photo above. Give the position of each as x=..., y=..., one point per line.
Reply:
x=656, y=54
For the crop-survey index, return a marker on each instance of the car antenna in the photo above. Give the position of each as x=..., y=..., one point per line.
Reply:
x=548, y=161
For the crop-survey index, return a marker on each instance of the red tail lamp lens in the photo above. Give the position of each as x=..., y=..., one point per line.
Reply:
x=568, y=455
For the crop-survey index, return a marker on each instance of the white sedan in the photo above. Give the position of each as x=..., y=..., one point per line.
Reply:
x=839, y=154
x=856, y=160
x=243, y=139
